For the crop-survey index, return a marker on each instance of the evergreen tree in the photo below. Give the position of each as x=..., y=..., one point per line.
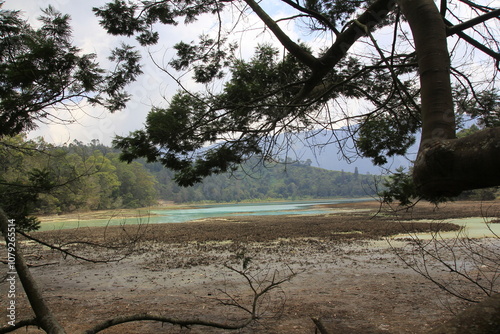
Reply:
x=41, y=72
x=404, y=83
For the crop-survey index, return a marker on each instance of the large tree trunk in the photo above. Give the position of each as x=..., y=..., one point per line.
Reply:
x=445, y=166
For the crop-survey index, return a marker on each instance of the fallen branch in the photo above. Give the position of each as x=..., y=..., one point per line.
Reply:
x=261, y=284
x=151, y=317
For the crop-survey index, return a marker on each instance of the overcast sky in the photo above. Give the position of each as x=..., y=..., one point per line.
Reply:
x=153, y=88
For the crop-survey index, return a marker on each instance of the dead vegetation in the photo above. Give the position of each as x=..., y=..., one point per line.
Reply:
x=348, y=279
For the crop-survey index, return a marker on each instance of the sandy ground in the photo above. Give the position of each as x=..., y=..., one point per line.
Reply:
x=339, y=268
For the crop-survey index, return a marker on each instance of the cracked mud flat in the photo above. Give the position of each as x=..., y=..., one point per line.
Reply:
x=346, y=274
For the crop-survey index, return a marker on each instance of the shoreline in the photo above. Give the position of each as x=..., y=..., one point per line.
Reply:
x=355, y=221
x=353, y=282
x=135, y=213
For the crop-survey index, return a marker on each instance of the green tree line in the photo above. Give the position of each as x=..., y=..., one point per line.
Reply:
x=41, y=178
x=253, y=181
x=69, y=178
x=78, y=176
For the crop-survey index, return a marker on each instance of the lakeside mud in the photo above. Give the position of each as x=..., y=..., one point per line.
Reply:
x=347, y=274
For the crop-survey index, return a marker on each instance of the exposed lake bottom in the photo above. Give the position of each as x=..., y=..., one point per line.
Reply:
x=347, y=273
x=183, y=215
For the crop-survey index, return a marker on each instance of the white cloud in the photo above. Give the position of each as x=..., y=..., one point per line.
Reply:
x=92, y=122
x=154, y=87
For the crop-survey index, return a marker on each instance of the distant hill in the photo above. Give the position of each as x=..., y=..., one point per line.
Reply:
x=298, y=180
x=319, y=147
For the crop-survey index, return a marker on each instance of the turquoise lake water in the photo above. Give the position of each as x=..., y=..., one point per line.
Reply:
x=474, y=227
x=206, y=211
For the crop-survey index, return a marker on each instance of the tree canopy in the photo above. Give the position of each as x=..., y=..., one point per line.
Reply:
x=393, y=56
x=41, y=178
x=43, y=78
x=43, y=74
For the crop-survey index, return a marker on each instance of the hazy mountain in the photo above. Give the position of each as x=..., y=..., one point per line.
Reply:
x=320, y=148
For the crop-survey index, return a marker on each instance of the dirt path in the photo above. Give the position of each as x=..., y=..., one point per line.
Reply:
x=345, y=274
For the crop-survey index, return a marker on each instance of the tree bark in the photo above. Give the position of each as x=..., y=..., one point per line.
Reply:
x=429, y=34
x=445, y=166
x=44, y=317
x=448, y=167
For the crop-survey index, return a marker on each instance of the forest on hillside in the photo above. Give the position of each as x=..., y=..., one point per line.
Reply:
x=255, y=181
x=92, y=177
x=40, y=178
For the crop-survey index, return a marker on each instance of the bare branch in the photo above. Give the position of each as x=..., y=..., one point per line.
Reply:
x=477, y=6
x=66, y=252
x=174, y=321
x=469, y=263
x=318, y=16
x=475, y=21
x=259, y=287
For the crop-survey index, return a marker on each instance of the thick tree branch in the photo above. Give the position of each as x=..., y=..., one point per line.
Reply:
x=370, y=18
x=300, y=53
x=475, y=21
x=443, y=8
x=493, y=54
x=19, y=324
x=449, y=167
